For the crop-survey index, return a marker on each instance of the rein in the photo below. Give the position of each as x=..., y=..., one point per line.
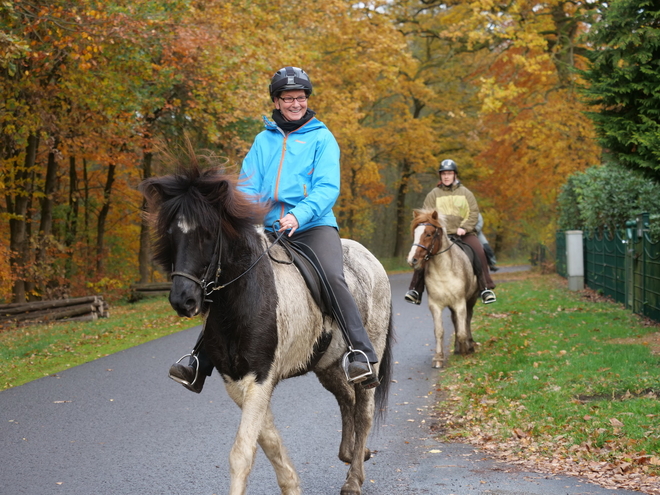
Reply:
x=429, y=250
x=212, y=285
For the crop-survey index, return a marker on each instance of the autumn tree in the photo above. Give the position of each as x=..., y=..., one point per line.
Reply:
x=70, y=93
x=428, y=111
x=533, y=129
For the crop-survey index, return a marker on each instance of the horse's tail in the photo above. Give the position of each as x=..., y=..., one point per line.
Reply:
x=385, y=373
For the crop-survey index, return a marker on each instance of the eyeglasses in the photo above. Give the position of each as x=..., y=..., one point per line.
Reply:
x=289, y=99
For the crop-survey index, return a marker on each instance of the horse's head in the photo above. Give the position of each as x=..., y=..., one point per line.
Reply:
x=428, y=237
x=195, y=214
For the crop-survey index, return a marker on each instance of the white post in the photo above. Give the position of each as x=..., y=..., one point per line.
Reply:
x=574, y=260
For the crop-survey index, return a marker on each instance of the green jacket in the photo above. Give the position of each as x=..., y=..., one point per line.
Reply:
x=457, y=203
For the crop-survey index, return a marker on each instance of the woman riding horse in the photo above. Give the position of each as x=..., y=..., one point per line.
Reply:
x=458, y=204
x=294, y=165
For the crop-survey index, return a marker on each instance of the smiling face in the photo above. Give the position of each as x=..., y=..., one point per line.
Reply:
x=294, y=110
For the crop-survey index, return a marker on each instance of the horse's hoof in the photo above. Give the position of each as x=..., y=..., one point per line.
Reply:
x=346, y=490
x=464, y=349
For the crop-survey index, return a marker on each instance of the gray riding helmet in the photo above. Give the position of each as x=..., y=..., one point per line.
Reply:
x=448, y=166
x=287, y=79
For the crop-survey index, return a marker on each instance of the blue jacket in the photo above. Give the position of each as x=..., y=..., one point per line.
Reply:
x=298, y=173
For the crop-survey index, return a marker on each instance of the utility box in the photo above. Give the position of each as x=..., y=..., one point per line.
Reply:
x=574, y=260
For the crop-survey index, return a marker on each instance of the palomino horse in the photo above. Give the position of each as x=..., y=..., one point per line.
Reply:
x=450, y=280
x=261, y=323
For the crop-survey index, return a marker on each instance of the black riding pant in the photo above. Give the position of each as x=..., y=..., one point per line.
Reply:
x=326, y=244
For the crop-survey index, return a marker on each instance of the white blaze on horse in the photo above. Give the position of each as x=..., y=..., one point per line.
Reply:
x=450, y=281
x=261, y=322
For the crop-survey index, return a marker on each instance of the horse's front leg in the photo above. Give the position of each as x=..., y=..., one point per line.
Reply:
x=272, y=445
x=254, y=400
x=439, y=329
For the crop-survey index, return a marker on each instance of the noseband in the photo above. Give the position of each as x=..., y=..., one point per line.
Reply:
x=436, y=235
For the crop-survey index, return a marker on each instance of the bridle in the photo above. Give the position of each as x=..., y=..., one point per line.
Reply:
x=436, y=236
x=210, y=282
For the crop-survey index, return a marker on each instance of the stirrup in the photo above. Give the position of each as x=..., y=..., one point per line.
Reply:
x=486, y=296
x=184, y=382
x=345, y=362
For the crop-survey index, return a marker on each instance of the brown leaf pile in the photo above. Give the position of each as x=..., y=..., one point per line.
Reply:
x=551, y=455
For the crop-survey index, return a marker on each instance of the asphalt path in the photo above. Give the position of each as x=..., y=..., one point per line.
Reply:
x=119, y=426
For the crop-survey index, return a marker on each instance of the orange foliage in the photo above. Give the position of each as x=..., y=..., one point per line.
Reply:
x=533, y=131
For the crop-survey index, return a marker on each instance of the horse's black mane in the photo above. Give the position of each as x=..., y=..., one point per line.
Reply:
x=207, y=196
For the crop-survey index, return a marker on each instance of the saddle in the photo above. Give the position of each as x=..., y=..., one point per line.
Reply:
x=472, y=256
x=309, y=266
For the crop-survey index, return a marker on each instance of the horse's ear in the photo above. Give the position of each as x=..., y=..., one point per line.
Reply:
x=416, y=213
x=151, y=189
x=434, y=215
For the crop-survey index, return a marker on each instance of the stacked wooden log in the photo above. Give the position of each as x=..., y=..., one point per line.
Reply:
x=139, y=291
x=73, y=309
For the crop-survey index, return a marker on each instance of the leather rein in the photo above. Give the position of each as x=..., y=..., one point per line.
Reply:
x=436, y=236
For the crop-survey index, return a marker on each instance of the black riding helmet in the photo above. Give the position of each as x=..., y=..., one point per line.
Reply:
x=448, y=166
x=287, y=79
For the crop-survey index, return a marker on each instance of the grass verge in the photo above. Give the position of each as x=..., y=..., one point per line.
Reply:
x=552, y=383
x=33, y=351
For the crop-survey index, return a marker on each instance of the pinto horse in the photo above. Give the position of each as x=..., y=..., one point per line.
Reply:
x=449, y=278
x=261, y=324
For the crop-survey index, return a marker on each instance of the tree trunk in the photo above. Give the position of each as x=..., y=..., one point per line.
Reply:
x=407, y=172
x=46, y=223
x=103, y=215
x=144, y=258
x=72, y=216
x=401, y=217
x=17, y=202
x=86, y=216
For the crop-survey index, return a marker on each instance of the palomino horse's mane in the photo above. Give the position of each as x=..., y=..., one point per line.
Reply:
x=206, y=196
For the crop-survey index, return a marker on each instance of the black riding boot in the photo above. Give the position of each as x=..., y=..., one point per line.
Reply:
x=199, y=367
x=416, y=288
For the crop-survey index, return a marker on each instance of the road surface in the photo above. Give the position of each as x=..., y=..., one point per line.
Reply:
x=119, y=426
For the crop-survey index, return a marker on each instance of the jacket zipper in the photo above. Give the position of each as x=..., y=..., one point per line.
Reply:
x=279, y=170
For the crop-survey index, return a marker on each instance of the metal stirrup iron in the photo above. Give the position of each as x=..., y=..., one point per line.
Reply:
x=345, y=363
x=488, y=296
x=184, y=382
